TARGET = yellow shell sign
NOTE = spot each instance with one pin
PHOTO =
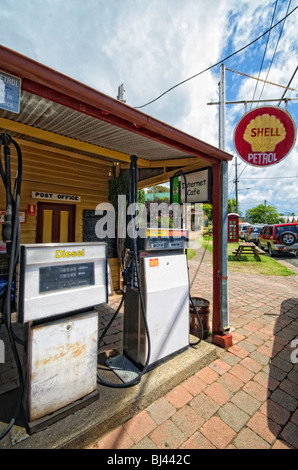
(264, 136)
(264, 132)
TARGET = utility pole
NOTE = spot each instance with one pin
(224, 309)
(222, 108)
(224, 193)
(236, 183)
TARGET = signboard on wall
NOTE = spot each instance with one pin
(10, 92)
(198, 187)
(22, 217)
(265, 136)
(46, 195)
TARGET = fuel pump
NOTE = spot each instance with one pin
(52, 290)
(131, 274)
(156, 299)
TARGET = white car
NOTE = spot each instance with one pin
(242, 229)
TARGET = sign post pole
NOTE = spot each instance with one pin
(224, 307)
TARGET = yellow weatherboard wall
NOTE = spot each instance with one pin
(47, 169)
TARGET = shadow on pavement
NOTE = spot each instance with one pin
(283, 375)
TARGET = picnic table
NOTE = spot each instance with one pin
(248, 248)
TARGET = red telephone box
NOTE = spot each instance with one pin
(233, 228)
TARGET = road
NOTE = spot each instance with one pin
(288, 257)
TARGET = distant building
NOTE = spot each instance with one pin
(289, 218)
(152, 196)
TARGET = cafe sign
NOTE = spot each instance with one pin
(198, 187)
(265, 136)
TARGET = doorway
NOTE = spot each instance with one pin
(55, 223)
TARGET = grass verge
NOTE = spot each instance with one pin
(249, 264)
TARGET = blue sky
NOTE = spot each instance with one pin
(150, 46)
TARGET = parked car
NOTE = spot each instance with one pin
(279, 238)
(252, 233)
(242, 228)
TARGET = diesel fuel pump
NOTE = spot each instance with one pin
(52, 290)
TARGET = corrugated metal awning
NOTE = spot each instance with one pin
(61, 112)
(44, 114)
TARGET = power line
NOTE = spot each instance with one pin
(286, 88)
(265, 49)
(217, 63)
(288, 85)
(268, 71)
(242, 171)
(271, 178)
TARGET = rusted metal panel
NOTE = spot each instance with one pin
(62, 363)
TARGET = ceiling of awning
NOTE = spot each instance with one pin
(44, 114)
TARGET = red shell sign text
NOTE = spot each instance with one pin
(264, 136)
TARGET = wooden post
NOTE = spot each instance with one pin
(219, 337)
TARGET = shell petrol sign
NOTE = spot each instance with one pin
(265, 136)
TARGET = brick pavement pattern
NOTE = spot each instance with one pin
(245, 399)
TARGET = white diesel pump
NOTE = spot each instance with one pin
(165, 288)
(57, 287)
(52, 289)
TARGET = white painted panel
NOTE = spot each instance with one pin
(41, 305)
(167, 304)
(62, 363)
(52, 253)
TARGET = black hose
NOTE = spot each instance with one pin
(11, 235)
(200, 321)
(133, 196)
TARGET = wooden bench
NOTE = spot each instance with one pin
(259, 250)
(248, 248)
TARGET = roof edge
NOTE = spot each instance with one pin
(24, 67)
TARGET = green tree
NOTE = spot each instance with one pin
(262, 214)
(141, 196)
(158, 189)
(158, 200)
(118, 186)
(207, 208)
(232, 206)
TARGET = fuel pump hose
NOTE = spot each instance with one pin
(133, 196)
(11, 236)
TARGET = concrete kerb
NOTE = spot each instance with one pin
(114, 406)
(121, 404)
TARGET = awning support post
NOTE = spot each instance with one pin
(220, 322)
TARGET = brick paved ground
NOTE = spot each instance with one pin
(247, 398)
